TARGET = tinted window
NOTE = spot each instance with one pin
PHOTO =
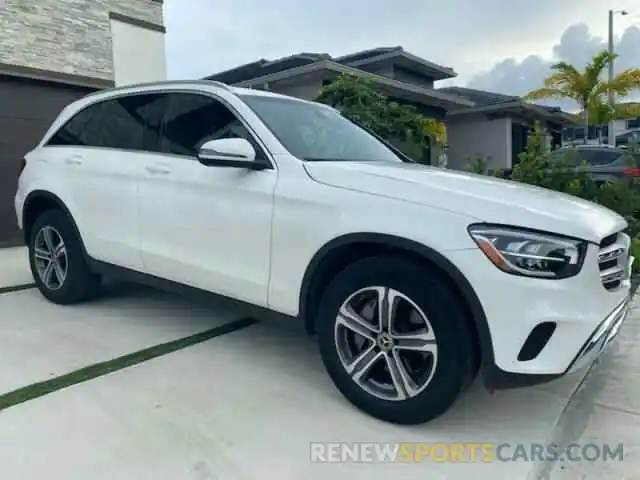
(151, 109)
(131, 123)
(315, 132)
(194, 119)
(575, 157)
(74, 132)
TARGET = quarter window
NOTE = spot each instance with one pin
(75, 131)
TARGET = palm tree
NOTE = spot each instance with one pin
(600, 113)
(588, 89)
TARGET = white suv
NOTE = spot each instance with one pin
(414, 278)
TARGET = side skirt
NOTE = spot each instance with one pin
(126, 275)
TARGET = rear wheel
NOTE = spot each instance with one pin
(395, 340)
(57, 261)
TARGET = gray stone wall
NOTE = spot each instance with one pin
(66, 36)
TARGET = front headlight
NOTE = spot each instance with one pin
(531, 254)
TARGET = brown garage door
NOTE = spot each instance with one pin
(27, 109)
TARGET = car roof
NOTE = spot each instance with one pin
(160, 86)
(178, 85)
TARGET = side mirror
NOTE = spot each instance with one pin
(229, 152)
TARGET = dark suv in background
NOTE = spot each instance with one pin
(605, 164)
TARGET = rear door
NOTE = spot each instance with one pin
(100, 154)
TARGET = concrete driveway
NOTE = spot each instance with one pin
(121, 388)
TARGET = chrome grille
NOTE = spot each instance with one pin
(613, 260)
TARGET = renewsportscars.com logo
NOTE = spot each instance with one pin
(412, 452)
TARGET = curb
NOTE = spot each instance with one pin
(566, 428)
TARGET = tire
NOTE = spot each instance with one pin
(74, 282)
(416, 289)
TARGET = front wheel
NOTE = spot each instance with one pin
(395, 340)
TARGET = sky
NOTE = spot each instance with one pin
(505, 46)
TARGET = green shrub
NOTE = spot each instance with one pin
(536, 167)
(478, 164)
(635, 251)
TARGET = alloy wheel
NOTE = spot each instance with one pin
(386, 343)
(50, 257)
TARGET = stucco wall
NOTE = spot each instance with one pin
(68, 36)
(489, 138)
(306, 87)
(138, 54)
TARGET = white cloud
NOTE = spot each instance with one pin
(577, 45)
(516, 37)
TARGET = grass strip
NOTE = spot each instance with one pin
(17, 288)
(90, 372)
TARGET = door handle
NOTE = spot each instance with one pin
(157, 169)
(74, 160)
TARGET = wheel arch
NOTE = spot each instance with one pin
(338, 253)
(39, 201)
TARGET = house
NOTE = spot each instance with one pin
(497, 127)
(477, 122)
(53, 52)
(403, 77)
(624, 128)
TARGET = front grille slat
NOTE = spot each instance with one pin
(611, 252)
(613, 260)
(606, 241)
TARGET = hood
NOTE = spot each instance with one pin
(483, 198)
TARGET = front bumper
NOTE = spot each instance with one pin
(584, 314)
(496, 379)
(601, 337)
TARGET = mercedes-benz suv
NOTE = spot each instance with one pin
(413, 278)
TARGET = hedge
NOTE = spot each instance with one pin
(536, 167)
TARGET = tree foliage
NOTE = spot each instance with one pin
(589, 89)
(600, 112)
(537, 167)
(362, 101)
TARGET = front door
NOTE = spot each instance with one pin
(206, 227)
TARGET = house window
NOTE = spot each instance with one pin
(633, 123)
(519, 135)
(568, 134)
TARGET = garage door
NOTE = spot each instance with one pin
(27, 109)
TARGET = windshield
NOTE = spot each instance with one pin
(313, 132)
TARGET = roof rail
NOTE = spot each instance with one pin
(160, 83)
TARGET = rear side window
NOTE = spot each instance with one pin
(133, 122)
